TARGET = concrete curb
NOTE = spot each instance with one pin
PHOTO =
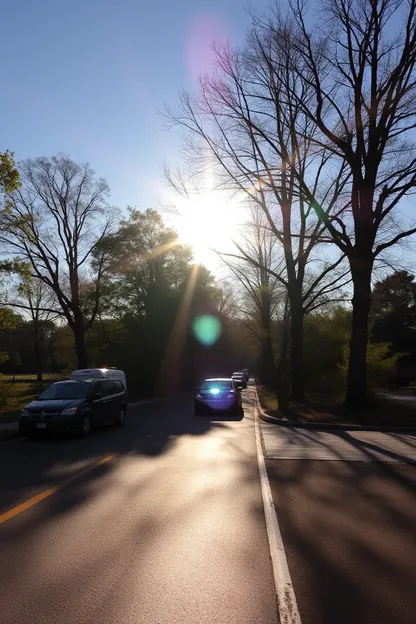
(283, 422)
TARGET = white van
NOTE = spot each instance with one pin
(100, 373)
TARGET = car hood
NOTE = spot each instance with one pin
(57, 404)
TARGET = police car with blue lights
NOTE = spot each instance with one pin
(219, 395)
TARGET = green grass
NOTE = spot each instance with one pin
(31, 377)
(267, 399)
(19, 395)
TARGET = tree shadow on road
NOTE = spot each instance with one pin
(140, 509)
(348, 529)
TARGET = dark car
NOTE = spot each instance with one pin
(218, 395)
(75, 406)
(240, 378)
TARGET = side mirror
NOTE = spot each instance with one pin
(96, 396)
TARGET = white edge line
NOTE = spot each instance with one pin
(286, 599)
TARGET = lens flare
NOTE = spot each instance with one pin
(207, 329)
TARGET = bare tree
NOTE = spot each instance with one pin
(242, 125)
(56, 220)
(261, 290)
(358, 65)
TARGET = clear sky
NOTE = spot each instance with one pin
(86, 77)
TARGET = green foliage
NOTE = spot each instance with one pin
(144, 264)
(9, 322)
(4, 393)
(381, 363)
(393, 315)
(9, 175)
(326, 336)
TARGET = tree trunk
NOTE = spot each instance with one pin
(80, 349)
(361, 269)
(38, 354)
(268, 373)
(297, 378)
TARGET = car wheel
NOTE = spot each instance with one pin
(121, 419)
(85, 427)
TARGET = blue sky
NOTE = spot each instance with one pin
(86, 77)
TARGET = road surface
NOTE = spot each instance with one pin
(162, 522)
(168, 528)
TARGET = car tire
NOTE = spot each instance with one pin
(121, 418)
(85, 426)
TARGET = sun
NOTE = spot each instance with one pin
(208, 223)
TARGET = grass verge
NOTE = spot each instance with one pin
(268, 401)
(328, 408)
(19, 395)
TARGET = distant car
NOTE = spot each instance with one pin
(218, 395)
(75, 406)
(240, 377)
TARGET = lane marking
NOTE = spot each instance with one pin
(15, 511)
(286, 599)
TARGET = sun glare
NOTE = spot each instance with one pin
(208, 222)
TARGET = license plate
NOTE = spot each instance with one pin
(41, 425)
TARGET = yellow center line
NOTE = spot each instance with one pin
(15, 511)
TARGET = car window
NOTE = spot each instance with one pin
(219, 385)
(66, 390)
(118, 386)
(107, 387)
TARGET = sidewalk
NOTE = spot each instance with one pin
(357, 446)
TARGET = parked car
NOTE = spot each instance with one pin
(240, 377)
(100, 373)
(75, 406)
(218, 395)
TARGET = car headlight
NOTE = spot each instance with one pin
(24, 413)
(69, 411)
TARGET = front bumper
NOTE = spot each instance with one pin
(59, 424)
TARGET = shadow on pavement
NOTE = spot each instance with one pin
(141, 524)
(150, 431)
(348, 529)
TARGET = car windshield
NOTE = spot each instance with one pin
(215, 387)
(66, 390)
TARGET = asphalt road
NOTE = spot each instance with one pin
(162, 522)
(158, 522)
